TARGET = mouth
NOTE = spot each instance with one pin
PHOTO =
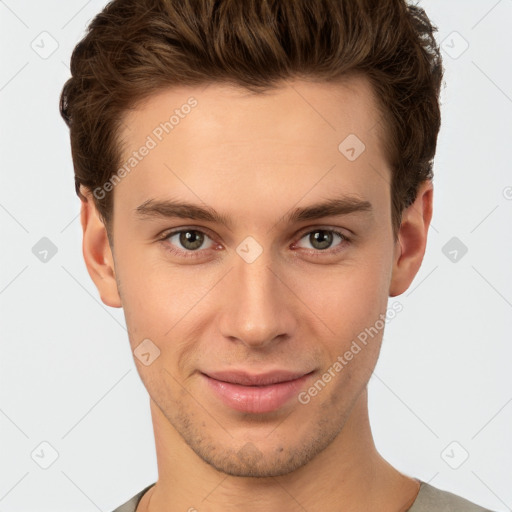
(256, 393)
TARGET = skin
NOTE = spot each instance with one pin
(254, 158)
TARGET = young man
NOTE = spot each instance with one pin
(255, 181)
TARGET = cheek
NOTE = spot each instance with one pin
(353, 307)
(160, 301)
(349, 298)
(352, 304)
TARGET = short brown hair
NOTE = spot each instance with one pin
(135, 48)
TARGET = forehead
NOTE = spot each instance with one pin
(223, 141)
(281, 111)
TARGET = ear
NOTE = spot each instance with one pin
(412, 240)
(97, 252)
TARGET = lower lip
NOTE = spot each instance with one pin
(256, 399)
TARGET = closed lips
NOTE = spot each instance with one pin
(262, 379)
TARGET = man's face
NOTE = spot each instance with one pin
(266, 292)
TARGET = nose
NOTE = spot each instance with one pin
(258, 308)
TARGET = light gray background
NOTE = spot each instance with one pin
(443, 385)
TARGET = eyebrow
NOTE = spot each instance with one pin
(184, 210)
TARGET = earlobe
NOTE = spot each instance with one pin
(97, 253)
(412, 240)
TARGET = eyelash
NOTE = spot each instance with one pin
(197, 253)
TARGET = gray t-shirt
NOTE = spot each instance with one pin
(429, 499)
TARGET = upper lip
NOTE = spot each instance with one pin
(255, 379)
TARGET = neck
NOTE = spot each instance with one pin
(348, 475)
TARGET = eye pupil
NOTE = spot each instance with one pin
(324, 241)
(195, 238)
